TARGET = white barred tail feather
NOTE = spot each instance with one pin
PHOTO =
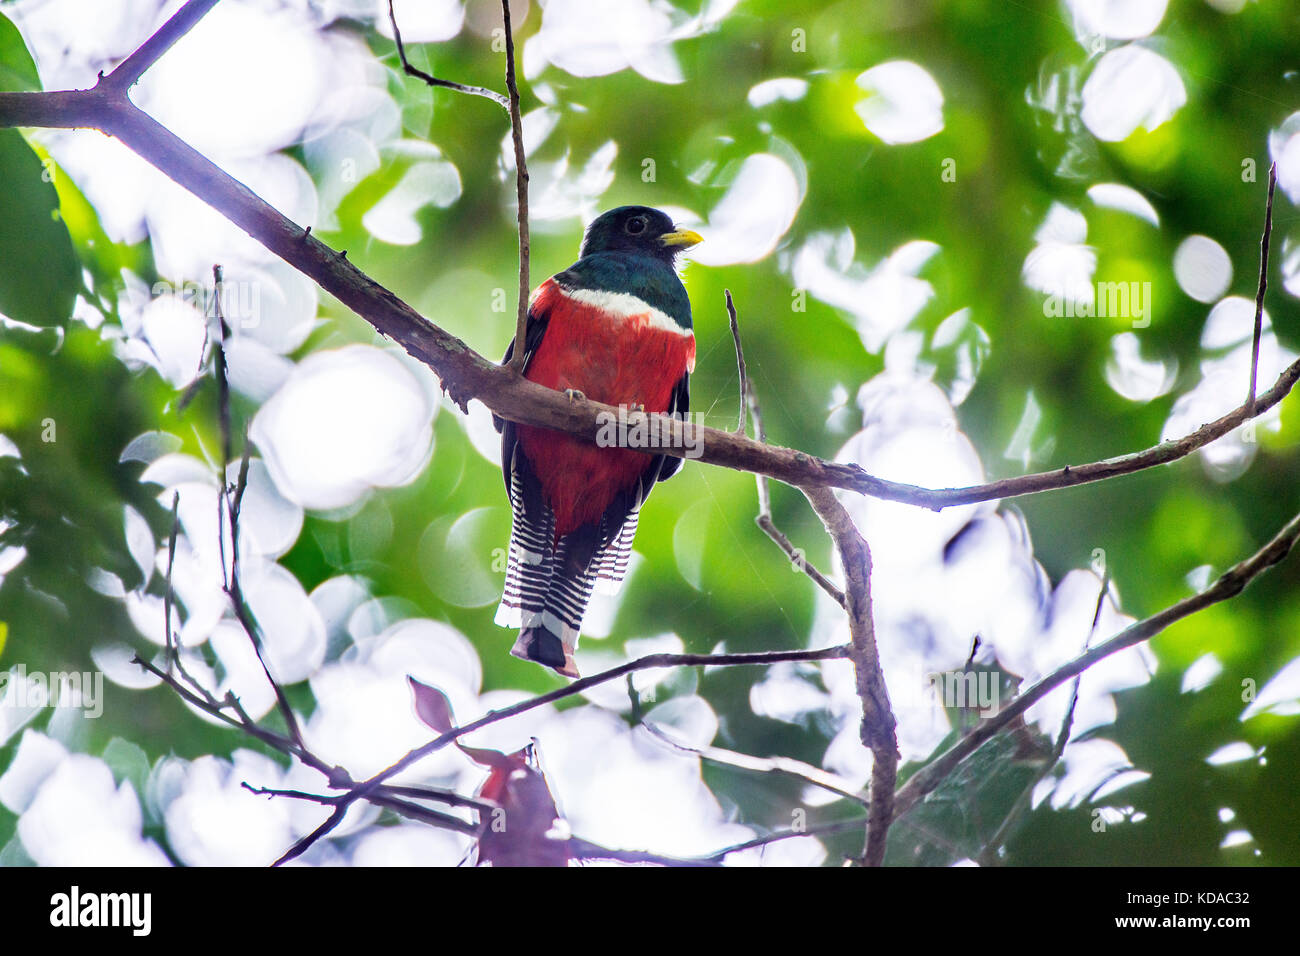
(549, 583)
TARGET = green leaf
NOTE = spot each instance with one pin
(128, 762)
(17, 70)
(39, 272)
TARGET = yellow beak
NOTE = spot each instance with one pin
(682, 237)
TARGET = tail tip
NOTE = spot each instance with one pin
(541, 646)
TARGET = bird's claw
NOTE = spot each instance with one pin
(573, 395)
(636, 407)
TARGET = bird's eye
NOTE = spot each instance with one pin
(636, 225)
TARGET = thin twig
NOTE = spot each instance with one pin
(521, 190)
(1263, 284)
(586, 850)
(172, 654)
(405, 807)
(749, 401)
(781, 766)
(230, 502)
(740, 362)
(432, 80)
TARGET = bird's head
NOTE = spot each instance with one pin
(639, 230)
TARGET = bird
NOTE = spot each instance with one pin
(614, 327)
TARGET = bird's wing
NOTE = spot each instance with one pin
(539, 314)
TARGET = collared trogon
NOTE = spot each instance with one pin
(615, 327)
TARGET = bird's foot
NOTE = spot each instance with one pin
(636, 407)
(574, 396)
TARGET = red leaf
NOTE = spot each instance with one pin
(520, 831)
(431, 706)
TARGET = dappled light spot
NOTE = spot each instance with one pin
(648, 683)
(561, 189)
(1284, 146)
(1280, 696)
(1202, 673)
(409, 844)
(77, 816)
(255, 103)
(772, 91)
(1125, 199)
(1232, 322)
(587, 39)
(1231, 753)
(430, 182)
(1225, 374)
(345, 421)
(1203, 268)
(455, 555)
(687, 720)
(882, 299)
(421, 21)
(212, 820)
(1130, 88)
(1236, 838)
(1132, 376)
(1089, 764)
(904, 105)
(961, 346)
(1062, 265)
(1121, 19)
(117, 663)
(364, 719)
(756, 211)
(620, 790)
(174, 338)
(293, 633)
(1291, 265)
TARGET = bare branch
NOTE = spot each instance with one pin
(878, 725)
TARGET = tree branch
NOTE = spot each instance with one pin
(126, 73)
(465, 374)
(878, 730)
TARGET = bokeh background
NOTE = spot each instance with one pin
(913, 204)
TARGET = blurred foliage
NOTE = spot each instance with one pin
(709, 574)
